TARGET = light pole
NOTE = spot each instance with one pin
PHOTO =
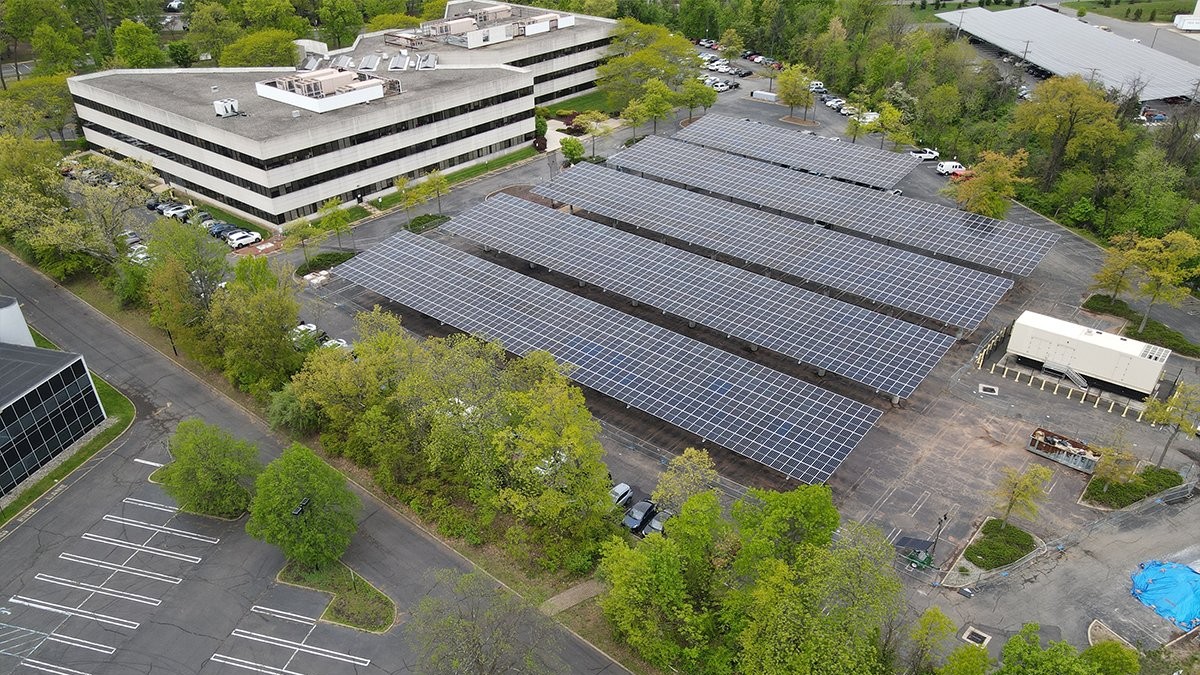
(937, 535)
(1155, 36)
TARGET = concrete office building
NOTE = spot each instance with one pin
(47, 401)
(275, 143)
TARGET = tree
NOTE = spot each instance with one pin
(1166, 263)
(271, 47)
(435, 183)
(572, 149)
(183, 54)
(1177, 413)
(990, 188)
(389, 21)
(1068, 119)
(640, 53)
(303, 233)
(770, 75)
(1114, 466)
(1111, 658)
(468, 624)
(211, 29)
(1113, 277)
(731, 44)
(891, 126)
(57, 50)
(136, 46)
(1150, 192)
(1023, 654)
(340, 20)
(1021, 491)
(636, 114)
(695, 94)
(39, 104)
(605, 8)
(303, 506)
(793, 88)
(594, 124)
(687, 475)
(966, 660)
(263, 15)
(779, 524)
(658, 100)
(211, 472)
(333, 218)
(927, 639)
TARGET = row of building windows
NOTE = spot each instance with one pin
(561, 93)
(558, 53)
(316, 178)
(567, 71)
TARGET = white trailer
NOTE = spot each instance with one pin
(1089, 352)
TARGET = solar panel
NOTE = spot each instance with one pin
(796, 428)
(879, 351)
(897, 221)
(787, 148)
(935, 289)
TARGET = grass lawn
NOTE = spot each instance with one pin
(593, 100)
(999, 545)
(355, 602)
(1164, 10)
(118, 408)
(926, 15)
(1148, 481)
(1156, 333)
(587, 619)
(491, 165)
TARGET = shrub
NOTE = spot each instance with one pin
(426, 221)
(1156, 333)
(999, 545)
(1148, 481)
(324, 261)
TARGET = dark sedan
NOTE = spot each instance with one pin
(638, 515)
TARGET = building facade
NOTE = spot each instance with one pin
(275, 143)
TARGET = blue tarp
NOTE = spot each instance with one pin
(1171, 589)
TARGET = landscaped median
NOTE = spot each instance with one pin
(355, 603)
(994, 545)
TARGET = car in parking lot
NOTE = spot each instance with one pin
(638, 515)
(166, 206)
(867, 117)
(720, 86)
(847, 110)
(179, 212)
(924, 154)
(242, 239)
(138, 254)
(338, 343)
(835, 103)
(219, 227)
(131, 237)
(657, 522)
(815, 85)
(307, 334)
(620, 493)
(947, 168)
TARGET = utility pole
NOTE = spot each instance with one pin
(1092, 77)
(937, 535)
(961, 14)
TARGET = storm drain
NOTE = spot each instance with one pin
(989, 390)
(975, 637)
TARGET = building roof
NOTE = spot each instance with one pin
(24, 368)
(1092, 336)
(1065, 46)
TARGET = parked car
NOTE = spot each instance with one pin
(924, 154)
(336, 342)
(720, 86)
(220, 227)
(131, 237)
(242, 239)
(947, 168)
(962, 175)
(174, 6)
(620, 493)
(201, 217)
(179, 212)
(820, 90)
(815, 85)
(305, 333)
(657, 522)
(638, 515)
(732, 84)
(867, 117)
(835, 103)
(152, 203)
(138, 254)
(847, 110)
(164, 206)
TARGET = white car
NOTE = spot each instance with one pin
(621, 493)
(720, 87)
(241, 239)
(835, 103)
(848, 110)
(867, 117)
(924, 154)
(336, 342)
(815, 85)
(179, 212)
(947, 168)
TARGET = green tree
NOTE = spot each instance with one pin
(57, 50)
(572, 149)
(340, 20)
(659, 101)
(927, 641)
(202, 258)
(436, 184)
(270, 47)
(1067, 119)
(891, 126)
(686, 476)
(136, 46)
(640, 53)
(1111, 658)
(303, 233)
(1150, 192)
(182, 53)
(593, 123)
(211, 471)
(605, 8)
(636, 114)
(966, 660)
(731, 44)
(778, 524)
(211, 28)
(303, 506)
(40, 104)
(1023, 654)
(793, 88)
(389, 21)
(469, 624)
(333, 218)
(263, 15)
(97, 217)
(1167, 264)
(1178, 413)
(1115, 275)
(1021, 491)
(991, 187)
(695, 94)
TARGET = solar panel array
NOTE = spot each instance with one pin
(879, 351)
(794, 150)
(936, 289)
(796, 428)
(899, 221)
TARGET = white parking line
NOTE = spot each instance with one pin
(81, 643)
(51, 668)
(120, 543)
(299, 646)
(161, 528)
(251, 665)
(71, 611)
(150, 505)
(280, 614)
(114, 567)
(147, 462)
(80, 586)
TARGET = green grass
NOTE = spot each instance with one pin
(118, 408)
(355, 602)
(324, 261)
(356, 214)
(999, 545)
(427, 221)
(1148, 481)
(593, 100)
(1165, 10)
(926, 15)
(491, 165)
(1156, 333)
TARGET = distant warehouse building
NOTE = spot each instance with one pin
(47, 401)
(276, 143)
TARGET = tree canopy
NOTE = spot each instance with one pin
(211, 472)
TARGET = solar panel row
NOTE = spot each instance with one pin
(924, 286)
(848, 161)
(881, 352)
(930, 228)
(801, 430)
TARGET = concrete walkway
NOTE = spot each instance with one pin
(572, 596)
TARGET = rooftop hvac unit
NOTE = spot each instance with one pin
(427, 62)
(226, 107)
(398, 62)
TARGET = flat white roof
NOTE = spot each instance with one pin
(1109, 341)
(1064, 45)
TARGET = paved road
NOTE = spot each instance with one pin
(192, 594)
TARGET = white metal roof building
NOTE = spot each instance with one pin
(1065, 46)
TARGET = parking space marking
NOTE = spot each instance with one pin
(161, 528)
(147, 462)
(150, 505)
(114, 567)
(280, 614)
(72, 611)
(81, 643)
(13, 641)
(251, 665)
(300, 646)
(51, 668)
(140, 548)
(80, 586)
(918, 504)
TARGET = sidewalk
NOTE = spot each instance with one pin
(572, 596)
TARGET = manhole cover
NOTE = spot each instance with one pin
(976, 637)
(989, 390)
